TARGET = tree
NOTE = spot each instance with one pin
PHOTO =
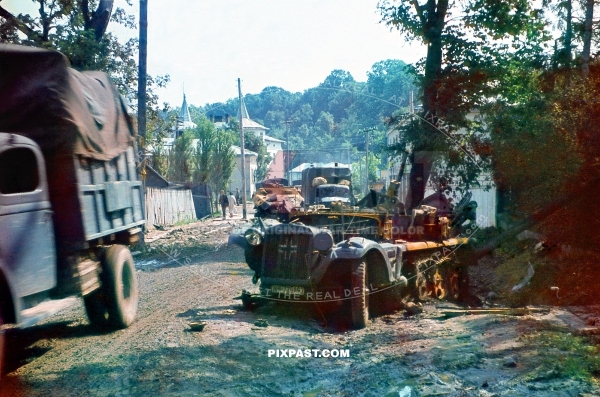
(587, 37)
(214, 157)
(467, 51)
(95, 22)
(256, 144)
(181, 159)
(71, 27)
(221, 160)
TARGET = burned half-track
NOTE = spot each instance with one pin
(359, 262)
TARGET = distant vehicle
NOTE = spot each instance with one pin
(328, 194)
(71, 199)
(324, 185)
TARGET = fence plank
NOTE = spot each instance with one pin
(168, 207)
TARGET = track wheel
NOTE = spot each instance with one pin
(453, 284)
(359, 303)
(422, 291)
(438, 285)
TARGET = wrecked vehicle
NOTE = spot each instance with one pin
(356, 262)
(71, 199)
(275, 200)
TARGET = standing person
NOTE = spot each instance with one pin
(232, 204)
(238, 196)
(224, 202)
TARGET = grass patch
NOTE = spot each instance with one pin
(564, 355)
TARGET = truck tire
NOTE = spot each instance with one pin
(359, 304)
(120, 286)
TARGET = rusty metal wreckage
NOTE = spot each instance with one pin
(357, 261)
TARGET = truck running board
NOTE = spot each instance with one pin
(44, 310)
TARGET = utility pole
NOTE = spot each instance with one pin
(367, 130)
(142, 80)
(367, 165)
(243, 154)
(287, 147)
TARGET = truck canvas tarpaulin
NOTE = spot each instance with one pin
(57, 106)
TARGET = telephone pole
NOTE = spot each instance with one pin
(287, 147)
(367, 164)
(142, 80)
(367, 130)
(242, 152)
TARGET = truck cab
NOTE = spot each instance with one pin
(328, 193)
(27, 249)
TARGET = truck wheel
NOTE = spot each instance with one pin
(359, 304)
(120, 286)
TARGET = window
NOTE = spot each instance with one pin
(18, 171)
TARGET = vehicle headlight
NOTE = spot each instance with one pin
(253, 237)
(323, 241)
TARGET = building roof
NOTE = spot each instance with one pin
(247, 123)
(184, 119)
(238, 151)
(270, 138)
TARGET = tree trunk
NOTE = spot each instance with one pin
(98, 20)
(587, 37)
(569, 34)
(433, 27)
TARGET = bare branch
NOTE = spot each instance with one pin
(30, 33)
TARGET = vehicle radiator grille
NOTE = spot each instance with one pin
(287, 256)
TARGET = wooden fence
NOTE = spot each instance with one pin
(168, 206)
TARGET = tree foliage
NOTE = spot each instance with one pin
(79, 29)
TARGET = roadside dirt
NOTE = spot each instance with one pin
(188, 274)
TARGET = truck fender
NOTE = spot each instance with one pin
(356, 249)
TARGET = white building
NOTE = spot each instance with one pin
(273, 145)
(251, 166)
(485, 195)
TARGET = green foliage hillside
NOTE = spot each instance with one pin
(327, 122)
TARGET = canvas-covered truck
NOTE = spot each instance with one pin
(326, 185)
(71, 199)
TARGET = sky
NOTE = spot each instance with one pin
(206, 45)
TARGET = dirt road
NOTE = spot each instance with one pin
(191, 275)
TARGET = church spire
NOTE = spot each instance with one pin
(244, 111)
(184, 114)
